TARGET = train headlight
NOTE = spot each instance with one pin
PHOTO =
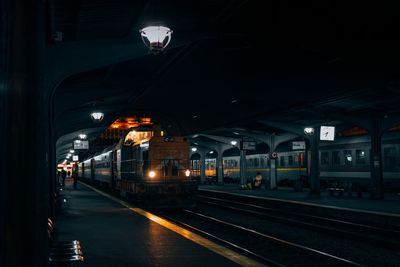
(187, 173)
(152, 174)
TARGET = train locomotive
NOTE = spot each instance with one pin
(144, 167)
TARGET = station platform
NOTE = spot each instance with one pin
(114, 233)
(390, 206)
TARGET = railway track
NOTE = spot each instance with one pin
(271, 250)
(386, 237)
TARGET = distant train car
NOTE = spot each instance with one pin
(145, 167)
(346, 160)
(291, 166)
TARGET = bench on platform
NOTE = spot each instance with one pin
(62, 253)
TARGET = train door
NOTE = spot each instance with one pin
(82, 174)
(113, 162)
(92, 169)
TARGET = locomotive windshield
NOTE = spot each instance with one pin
(137, 138)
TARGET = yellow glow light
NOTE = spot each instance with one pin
(187, 173)
(152, 174)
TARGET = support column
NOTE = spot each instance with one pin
(202, 167)
(273, 176)
(272, 170)
(314, 168)
(24, 142)
(220, 167)
(243, 166)
(377, 185)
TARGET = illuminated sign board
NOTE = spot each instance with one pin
(298, 145)
(327, 133)
(81, 144)
(248, 145)
(75, 158)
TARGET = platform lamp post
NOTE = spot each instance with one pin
(313, 135)
(156, 38)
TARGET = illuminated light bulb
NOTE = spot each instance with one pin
(156, 38)
(309, 130)
(97, 116)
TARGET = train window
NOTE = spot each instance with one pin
(296, 159)
(324, 158)
(389, 158)
(335, 158)
(301, 155)
(256, 162)
(261, 162)
(348, 157)
(360, 156)
(290, 160)
(282, 160)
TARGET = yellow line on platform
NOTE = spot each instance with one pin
(219, 249)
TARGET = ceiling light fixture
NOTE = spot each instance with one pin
(97, 116)
(309, 130)
(82, 136)
(156, 38)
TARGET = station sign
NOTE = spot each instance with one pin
(298, 145)
(75, 158)
(327, 133)
(81, 144)
(248, 145)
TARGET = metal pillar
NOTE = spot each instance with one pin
(377, 190)
(272, 170)
(220, 169)
(314, 168)
(23, 143)
(273, 176)
(203, 167)
(242, 166)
